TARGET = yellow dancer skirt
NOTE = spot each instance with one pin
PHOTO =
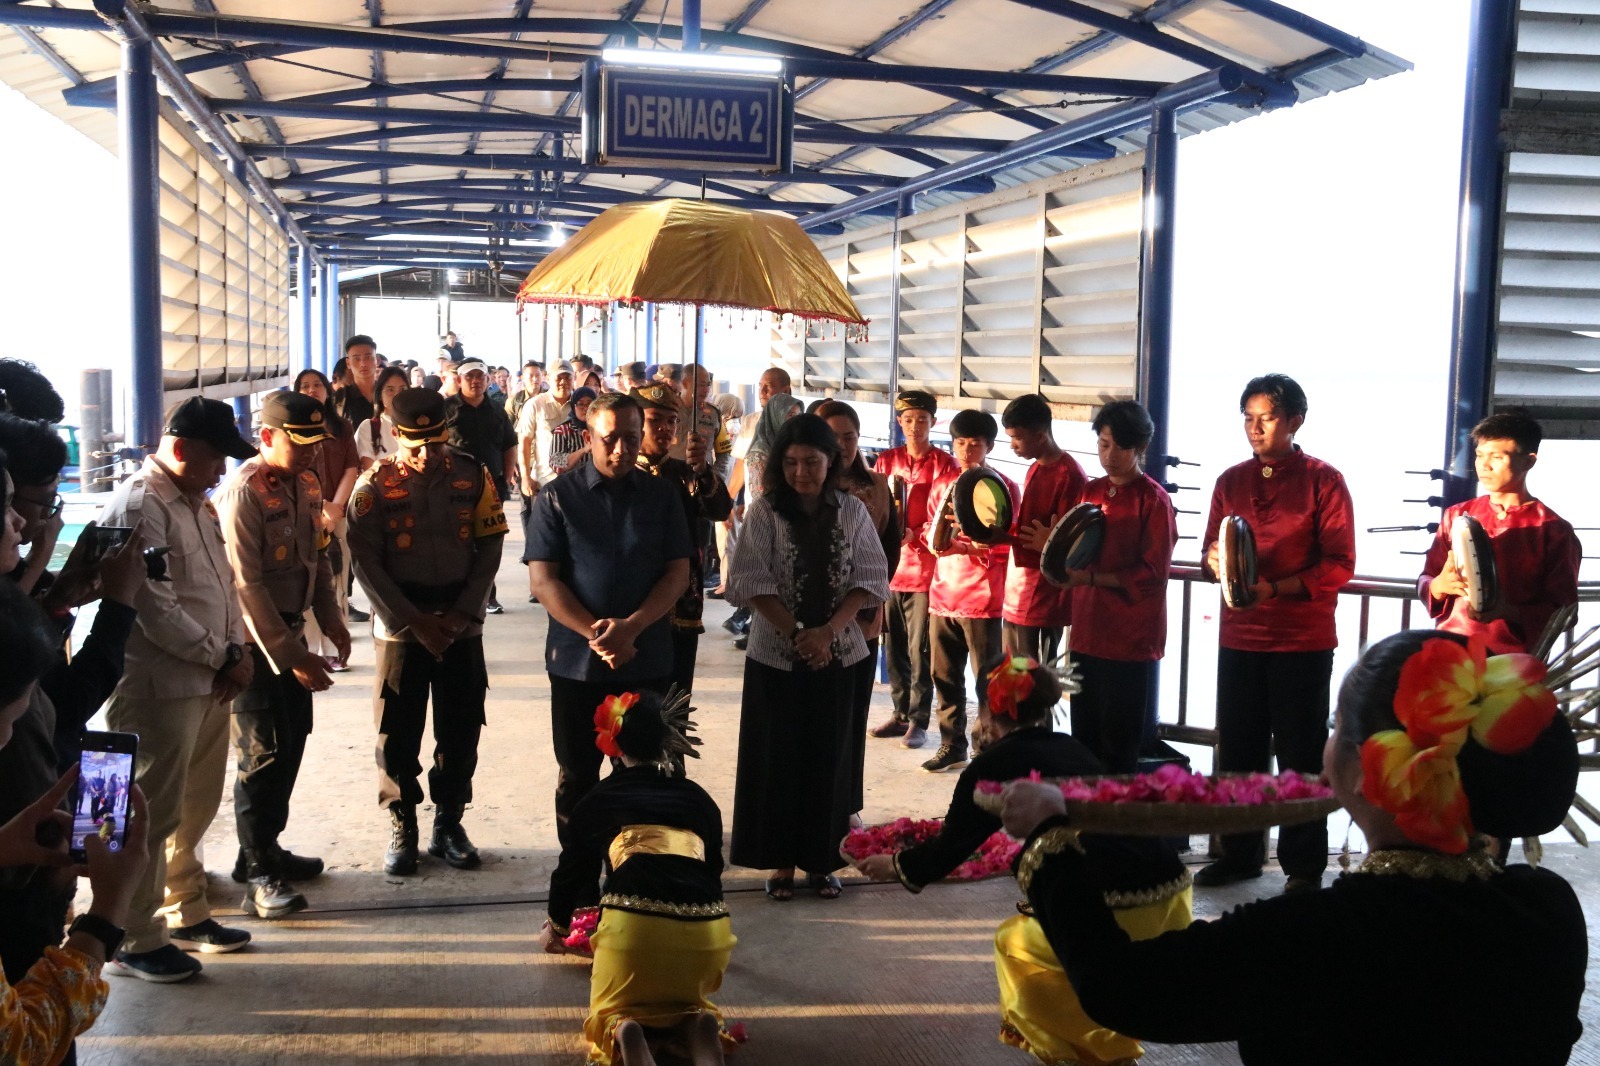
(657, 971)
(1039, 1011)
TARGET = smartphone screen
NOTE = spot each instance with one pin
(107, 539)
(105, 777)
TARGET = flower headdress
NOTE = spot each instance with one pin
(1010, 683)
(1448, 693)
(608, 721)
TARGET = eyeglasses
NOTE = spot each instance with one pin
(46, 510)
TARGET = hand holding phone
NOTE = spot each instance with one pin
(38, 835)
(105, 786)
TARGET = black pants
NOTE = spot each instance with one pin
(1115, 713)
(572, 707)
(955, 643)
(407, 672)
(1275, 702)
(1042, 644)
(910, 662)
(685, 646)
(864, 679)
(271, 721)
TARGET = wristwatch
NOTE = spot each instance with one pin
(93, 925)
(798, 626)
(232, 657)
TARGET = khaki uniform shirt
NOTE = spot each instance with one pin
(426, 543)
(272, 524)
(185, 624)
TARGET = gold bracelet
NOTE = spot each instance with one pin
(1052, 841)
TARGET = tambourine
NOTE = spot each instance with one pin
(1475, 562)
(982, 504)
(1236, 563)
(942, 526)
(1074, 543)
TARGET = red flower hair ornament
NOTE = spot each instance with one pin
(608, 721)
(1448, 693)
(1010, 683)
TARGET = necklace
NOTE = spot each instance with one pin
(1475, 865)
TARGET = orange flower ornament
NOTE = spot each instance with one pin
(1448, 693)
(1010, 683)
(608, 721)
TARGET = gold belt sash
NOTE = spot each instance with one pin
(655, 840)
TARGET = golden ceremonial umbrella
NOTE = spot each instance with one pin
(693, 252)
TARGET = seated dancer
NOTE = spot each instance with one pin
(664, 937)
(1147, 887)
(1536, 554)
(1430, 953)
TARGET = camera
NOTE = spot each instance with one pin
(109, 538)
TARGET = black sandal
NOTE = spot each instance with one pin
(825, 885)
(780, 889)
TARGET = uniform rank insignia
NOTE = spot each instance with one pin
(461, 485)
(361, 504)
(282, 553)
(396, 494)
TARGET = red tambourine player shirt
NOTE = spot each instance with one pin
(970, 586)
(1536, 557)
(915, 572)
(1128, 624)
(1300, 511)
(1048, 492)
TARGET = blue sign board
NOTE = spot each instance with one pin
(688, 119)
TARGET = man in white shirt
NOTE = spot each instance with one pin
(185, 662)
(540, 416)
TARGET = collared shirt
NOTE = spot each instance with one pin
(353, 405)
(271, 524)
(185, 624)
(1049, 490)
(375, 439)
(1536, 557)
(540, 416)
(971, 585)
(915, 573)
(1301, 515)
(485, 433)
(612, 539)
(1128, 624)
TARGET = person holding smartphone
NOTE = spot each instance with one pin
(271, 512)
(186, 661)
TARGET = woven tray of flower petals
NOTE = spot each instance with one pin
(992, 859)
(1173, 801)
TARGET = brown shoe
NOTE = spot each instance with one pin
(894, 727)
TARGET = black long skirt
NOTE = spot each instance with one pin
(793, 796)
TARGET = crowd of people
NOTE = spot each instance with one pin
(639, 498)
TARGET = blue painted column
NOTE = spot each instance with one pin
(318, 334)
(303, 309)
(138, 119)
(1490, 60)
(330, 314)
(649, 312)
(691, 25)
(1156, 247)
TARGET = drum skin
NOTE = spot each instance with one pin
(942, 528)
(1236, 562)
(982, 505)
(1475, 562)
(1074, 543)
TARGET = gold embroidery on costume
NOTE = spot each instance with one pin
(1122, 901)
(719, 909)
(1475, 865)
(1050, 842)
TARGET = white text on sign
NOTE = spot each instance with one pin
(690, 118)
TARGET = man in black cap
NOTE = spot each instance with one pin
(704, 498)
(482, 430)
(271, 509)
(915, 466)
(426, 529)
(184, 663)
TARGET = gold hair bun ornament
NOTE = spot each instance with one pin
(675, 710)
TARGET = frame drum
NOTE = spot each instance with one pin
(1475, 562)
(983, 505)
(1074, 543)
(1236, 562)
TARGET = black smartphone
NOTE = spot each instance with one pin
(107, 539)
(105, 778)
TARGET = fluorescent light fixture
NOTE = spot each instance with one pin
(659, 57)
(1594, 334)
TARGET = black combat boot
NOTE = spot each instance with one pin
(450, 841)
(401, 858)
(268, 895)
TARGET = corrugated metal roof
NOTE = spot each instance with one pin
(327, 94)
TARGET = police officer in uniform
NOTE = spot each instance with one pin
(704, 498)
(271, 509)
(426, 529)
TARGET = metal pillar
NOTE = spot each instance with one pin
(303, 309)
(649, 312)
(691, 25)
(138, 117)
(330, 314)
(319, 336)
(1491, 56)
(1156, 245)
(897, 437)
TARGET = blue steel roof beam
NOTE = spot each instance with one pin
(519, 10)
(384, 133)
(42, 49)
(323, 231)
(443, 86)
(247, 82)
(520, 163)
(380, 74)
(316, 213)
(422, 193)
(463, 120)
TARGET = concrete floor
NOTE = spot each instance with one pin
(442, 967)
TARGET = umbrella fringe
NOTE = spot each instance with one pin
(856, 330)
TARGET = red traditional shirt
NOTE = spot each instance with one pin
(915, 573)
(1049, 491)
(970, 586)
(1300, 511)
(1128, 624)
(1536, 557)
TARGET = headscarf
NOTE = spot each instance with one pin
(584, 393)
(729, 406)
(779, 410)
